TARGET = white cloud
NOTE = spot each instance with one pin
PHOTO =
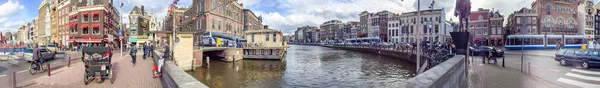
(12, 26)
(2, 20)
(10, 8)
(296, 13)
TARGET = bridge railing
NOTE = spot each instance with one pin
(175, 77)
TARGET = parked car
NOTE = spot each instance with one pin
(592, 59)
(568, 56)
(51, 47)
(484, 50)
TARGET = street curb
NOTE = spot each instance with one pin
(529, 54)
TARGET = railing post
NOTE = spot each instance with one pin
(49, 70)
(14, 79)
(502, 61)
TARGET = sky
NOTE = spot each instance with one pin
(286, 15)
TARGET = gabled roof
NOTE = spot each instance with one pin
(136, 10)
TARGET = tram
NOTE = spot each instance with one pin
(531, 42)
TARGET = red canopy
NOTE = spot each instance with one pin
(73, 25)
(84, 26)
(95, 13)
(95, 25)
(84, 13)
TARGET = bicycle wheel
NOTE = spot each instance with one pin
(32, 69)
(43, 67)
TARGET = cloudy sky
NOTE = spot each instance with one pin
(278, 14)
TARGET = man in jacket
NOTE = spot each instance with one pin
(37, 56)
(133, 51)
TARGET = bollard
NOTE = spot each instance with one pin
(529, 67)
(14, 81)
(48, 69)
(502, 61)
(207, 62)
(193, 62)
(69, 63)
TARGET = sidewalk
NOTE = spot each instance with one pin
(126, 76)
(495, 76)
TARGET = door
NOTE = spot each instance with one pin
(594, 58)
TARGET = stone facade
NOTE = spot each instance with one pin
(479, 24)
(515, 22)
(329, 31)
(91, 22)
(558, 17)
(435, 32)
(251, 21)
(496, 29)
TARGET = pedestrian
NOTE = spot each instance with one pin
(491, 56)
(133, 52)
(557, 46)
(145, 48)
(166, 53)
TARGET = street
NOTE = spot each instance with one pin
(22, 70)
(544, 67)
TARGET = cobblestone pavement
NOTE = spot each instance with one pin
(495, 76)
(126, 76)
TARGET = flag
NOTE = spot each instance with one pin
(203, 17)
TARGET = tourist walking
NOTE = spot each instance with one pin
(132, 52)
(145, 48)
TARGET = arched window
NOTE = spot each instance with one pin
(561, 23)
(571, 23)
(548, 9)
(548, 22)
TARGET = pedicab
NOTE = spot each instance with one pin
(97, 64)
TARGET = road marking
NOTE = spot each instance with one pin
(585, 71)
(3, 75)
(583, 76)
(22, 71)
(578, 83)
(554, 70)
(535, 66)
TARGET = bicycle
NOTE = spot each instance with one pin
(33, 68)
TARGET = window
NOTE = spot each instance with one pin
(219, 27)
(85, 30)
(548, 22)
(213, 4)
(267, 37)
(96, 18)
(436, 29)
(213, 23)
(548, 9)
(74, 31)
(533, 29)
(274, 37)
(252, 38)
(96, 30)
(85, 18)
(561, 23)
(571, 23)
(518, 20)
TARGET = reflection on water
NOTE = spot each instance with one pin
(309, 66)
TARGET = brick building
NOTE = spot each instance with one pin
(558, 17)
(91, 22)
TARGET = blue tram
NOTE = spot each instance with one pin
(529, 42)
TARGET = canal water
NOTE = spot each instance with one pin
(309, 66)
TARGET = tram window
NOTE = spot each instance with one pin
(539, 41)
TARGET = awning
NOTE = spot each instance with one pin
(73, 16)
(95, 25)
(73, 25)
(84, 26)
(84, 13)
(95, 13)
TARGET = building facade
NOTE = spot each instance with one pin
(479, 25)
(43, 23)
(495, 37)
(394, 29)
(558, 17)
(139, 25)
(61, 33)
(349, 30)
(225, 16)
(523, 22)
(364, 24)
(597, 22)
(92, 22)
(329, 31)
(432, 26)
(588, 5)
(251, 21)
